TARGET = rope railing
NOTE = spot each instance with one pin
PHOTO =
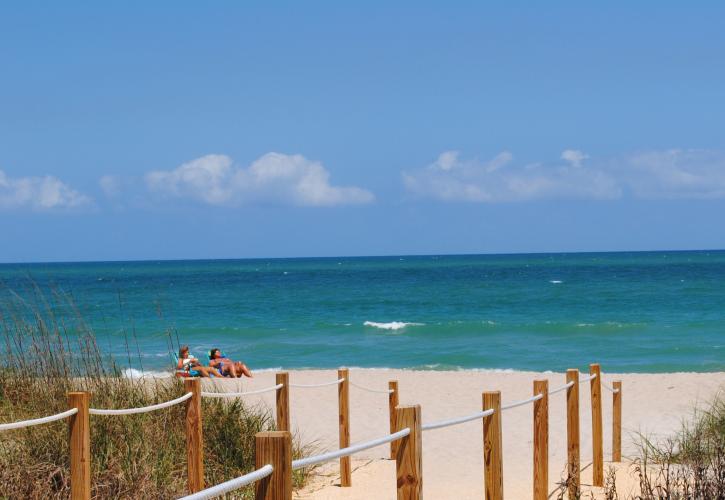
(38, 421)
(609, 388)
(458, 420)
(240, 394)
(275, 448)
(562, 388)
(324, 384)
(143, 409)
(231, 485)
(350, 450)
(522, 402)
(379, 391)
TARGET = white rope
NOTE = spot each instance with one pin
(562, 388)
(38, 421)
(332, 455)
(231, 485)
(143, 409)
(458, 420)
(522, 402)
(587, 379)
(239, 394)
(610, 388)
(308, 386)
(387, 391)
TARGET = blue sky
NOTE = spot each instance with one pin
(182, 130)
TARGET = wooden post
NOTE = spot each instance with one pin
(80, 446)
(493, 447)
(617, 422)
(393, 401)
(282, 401)
(274, 448)
(343, 400)
(409, 458)
(595, 386)
(572, 433)
(194, 437)
(541, 440)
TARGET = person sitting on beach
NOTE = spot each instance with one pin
(227, 366)
(189, 366)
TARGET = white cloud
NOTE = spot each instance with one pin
(274, 177)
(39, 193)
(499, 181)
(574, 156)
(672, 174)
(677, 173)
(110, 185)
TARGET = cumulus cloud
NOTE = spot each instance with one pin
(110, 185)
(497, 180)
(671, 174)
(274, 177)
(39, 193)
(574, 157)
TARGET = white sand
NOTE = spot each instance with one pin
(654, 404)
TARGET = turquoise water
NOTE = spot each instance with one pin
(633, 312)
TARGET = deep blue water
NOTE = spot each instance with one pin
(635, 312)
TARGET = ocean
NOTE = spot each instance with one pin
(631, 312)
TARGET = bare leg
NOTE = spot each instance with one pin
(242, 368)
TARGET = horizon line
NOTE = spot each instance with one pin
(380, 256)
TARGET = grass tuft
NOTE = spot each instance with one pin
(48, 351)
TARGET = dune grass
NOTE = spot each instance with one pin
(45, 356)
(690, 464)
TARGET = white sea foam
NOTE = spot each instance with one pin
(393, 325)
(556, 282)
(134, 373)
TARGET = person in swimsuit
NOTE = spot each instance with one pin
(227, 366)
(189, 364)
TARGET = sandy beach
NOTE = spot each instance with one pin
(653, 404)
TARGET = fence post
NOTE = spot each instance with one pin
(617, 422)
(194, 437)
(393, 401)
(493, 447)
(541, 440)
(282, 401)
(572, 433)
(595, 386)
(274, 448)
(343, 400)
(409, 458)
(80, 446)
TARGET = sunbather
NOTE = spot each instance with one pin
(227, 366)
(189, 366)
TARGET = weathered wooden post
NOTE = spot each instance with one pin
(274, 448)
(541, 440)
(595, 386)
(572, 433)
(80, 446)
(343, 399)
(393, 401)
(194, 436)
(282, 401)
(493, 447)
(617, 422)
(409, 458)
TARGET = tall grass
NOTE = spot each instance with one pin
(50, 350)
(690, 464)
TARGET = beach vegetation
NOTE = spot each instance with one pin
(48, 353)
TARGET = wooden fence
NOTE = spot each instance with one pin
(273, 459)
